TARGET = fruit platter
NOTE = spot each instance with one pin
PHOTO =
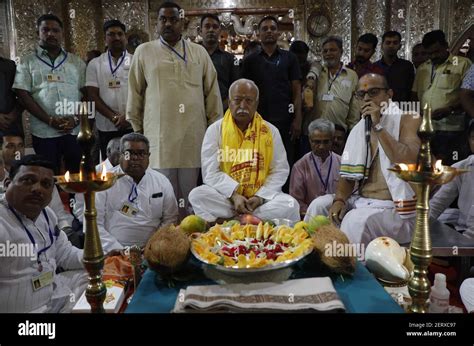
(239, 249)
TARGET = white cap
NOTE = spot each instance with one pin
(466, 291)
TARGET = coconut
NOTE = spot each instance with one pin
(167, 250)
(331, 237)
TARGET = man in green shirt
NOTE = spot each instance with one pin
(48, 83)
(438, 84)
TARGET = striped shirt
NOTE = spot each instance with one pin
(17, 272)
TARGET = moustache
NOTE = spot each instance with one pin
(242, 111)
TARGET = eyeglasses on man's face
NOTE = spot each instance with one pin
(372, 92)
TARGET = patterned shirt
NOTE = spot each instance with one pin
(468, 81)
(34, 75)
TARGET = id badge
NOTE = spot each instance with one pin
(328, 97)
(42, 280)
(128, 209)
(114, 84)
(53, 78)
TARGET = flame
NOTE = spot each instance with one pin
(103, 175)
(67, 177)
(403, 167)
(80, 175)
(439, 166)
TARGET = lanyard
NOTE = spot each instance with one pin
(325, 184)
(52, 65)
(132, 197)
(337, 75)
(433, 73)
(183, 57)
(32, 239)
(112, 71)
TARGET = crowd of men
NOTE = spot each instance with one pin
(266, 135)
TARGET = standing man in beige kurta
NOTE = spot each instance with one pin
(173, 95)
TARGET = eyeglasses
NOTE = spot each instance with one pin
(140, 154)
(172, 20)
(372, 92)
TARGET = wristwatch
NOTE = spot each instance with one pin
(378, 127)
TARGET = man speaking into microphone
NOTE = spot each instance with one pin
(385, 205)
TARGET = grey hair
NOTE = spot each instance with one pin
(243, 80)
(322, 125)
(134, 137)
(113, 145)
(335, 39)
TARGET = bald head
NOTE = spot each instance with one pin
(374, 87)
(374, 78)
(113, 151)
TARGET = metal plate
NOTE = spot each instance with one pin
(236, 271)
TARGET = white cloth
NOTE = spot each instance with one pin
(211, 208)
(209, 204)
(462, 187)
(16, 273)
(466, 291)
(366, 219)
(311, 294)
(106, 163)
(78, 206)
(355, 155)
(183, 181)
(155, 202)
(65, 218)
(98, 74)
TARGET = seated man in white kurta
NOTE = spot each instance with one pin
(244, 164)
(33, 247)
(385, 205)
(139, 203)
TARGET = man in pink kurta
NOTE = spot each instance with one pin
(317, 172)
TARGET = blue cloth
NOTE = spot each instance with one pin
(361, 293)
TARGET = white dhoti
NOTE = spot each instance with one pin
(183, 181)
(366, 219)
(209, 204)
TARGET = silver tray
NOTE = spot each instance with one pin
(236, 271)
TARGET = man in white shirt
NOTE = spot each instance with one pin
(244, 164)
(33, 247)
(139, 203)
(107, 84)
(462, 187)
(13, 148)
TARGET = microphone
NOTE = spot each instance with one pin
(368, 125)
